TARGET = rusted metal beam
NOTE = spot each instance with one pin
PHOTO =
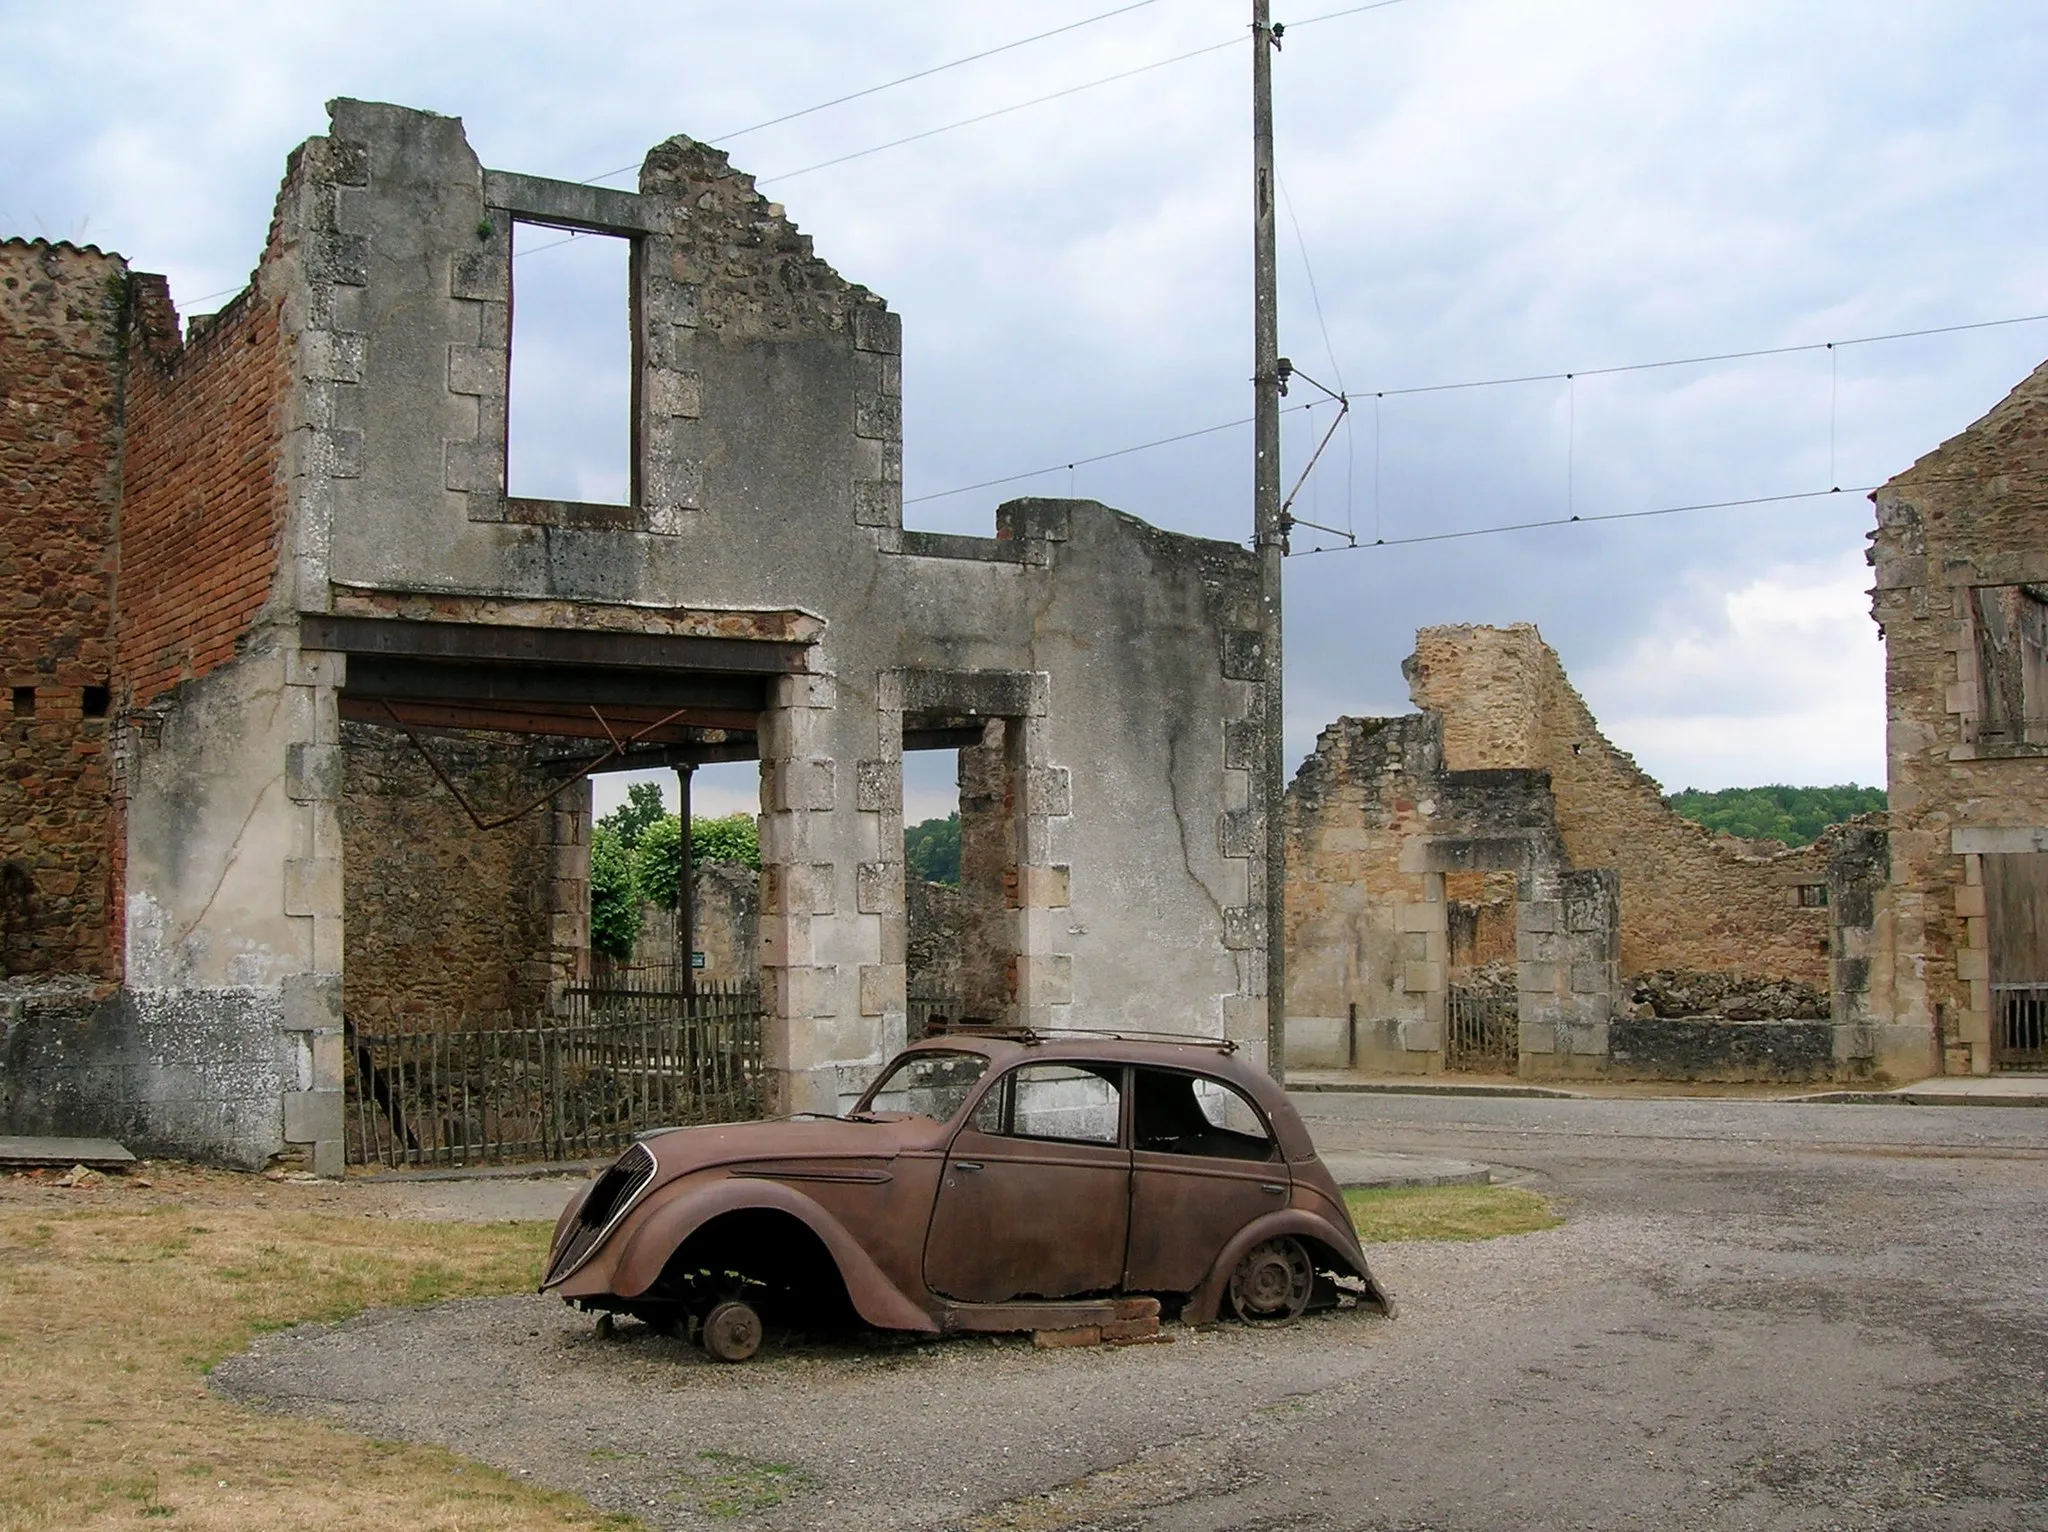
(528, 685)
(496, 644)
(560, 719)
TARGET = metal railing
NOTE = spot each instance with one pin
(1482, 1031)
(922, 1007)
(575, 1085)
(2020, 1020)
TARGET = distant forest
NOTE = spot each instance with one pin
(1794, 815)
(933, 849)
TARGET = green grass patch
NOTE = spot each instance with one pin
(1384, 1215)
(730, 1486)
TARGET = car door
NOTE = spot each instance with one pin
(1204, 1163)
(1035, 1198)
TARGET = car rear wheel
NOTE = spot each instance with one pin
(1273, 1283)
(731, 1331)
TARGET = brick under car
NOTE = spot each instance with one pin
(986, 1181)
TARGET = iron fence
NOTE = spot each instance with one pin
(923, 1007)
(1482, 1030)
(616, 1061)
(2022, 1020)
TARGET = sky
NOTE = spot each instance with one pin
(1474, 190)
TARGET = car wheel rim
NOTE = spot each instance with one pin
(732, 1332)
(1272, 1282)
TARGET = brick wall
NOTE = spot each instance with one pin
(204, 494)
(441, 919)
(1689, 899)
(60, 444)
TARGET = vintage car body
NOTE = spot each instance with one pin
(1071, 1175)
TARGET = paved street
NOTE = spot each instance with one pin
(1760, 1315)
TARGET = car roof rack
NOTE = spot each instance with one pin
(939, 1026)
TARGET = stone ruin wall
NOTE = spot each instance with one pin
(1360, 931)
(1690, 900)
(441, 920)
(1974, 512)
(60, 436)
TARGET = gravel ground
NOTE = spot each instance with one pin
(1758, 1316)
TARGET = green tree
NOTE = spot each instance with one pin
(654, 862)
(932, 849)
(727, 838)
(1793, 815)
(614, 910)
(629, 821)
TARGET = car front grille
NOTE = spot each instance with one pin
(615, 1192)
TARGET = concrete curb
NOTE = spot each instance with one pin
(1912, 1097)
(480, 1173)
(1401, 1088)
(1363, 1170)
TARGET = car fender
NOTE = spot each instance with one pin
(660, 1228)
(1207, 1300)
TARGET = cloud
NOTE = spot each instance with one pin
(1483, 188)
(1781, 679)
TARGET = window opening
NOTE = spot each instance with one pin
(569, 426)
(1057, 1101)
(1193, 1114)
(97, 700)
(2010, 623)
(1813, 896)
(24, 701)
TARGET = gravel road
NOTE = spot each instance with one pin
(1758, 1316)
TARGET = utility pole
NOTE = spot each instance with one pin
(1269, 528)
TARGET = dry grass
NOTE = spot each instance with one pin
(1448, 1212)
(114, 1303)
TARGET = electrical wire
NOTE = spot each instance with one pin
(1540, 377)
(1103, 457)
(921, 74)
(1002, 111)
(1566, 521)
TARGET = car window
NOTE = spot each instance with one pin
(933, 1085)
(1062, 1101)
(1192, 1114)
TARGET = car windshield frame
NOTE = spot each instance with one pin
(866, 1105)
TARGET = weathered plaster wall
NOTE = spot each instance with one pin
(1689, 899)
(60, 441)
(1971, 514)
(441, 919)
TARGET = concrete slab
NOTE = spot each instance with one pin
(97, 1153)
(1366, 1169)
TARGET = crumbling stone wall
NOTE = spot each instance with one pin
(1689, 899)
(60, 438)
(1956, 534)
(442, 920)
(726, 927)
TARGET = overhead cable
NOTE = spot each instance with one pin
(1539, 377)
(920, 74)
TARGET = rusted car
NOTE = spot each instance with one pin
(986, 1181)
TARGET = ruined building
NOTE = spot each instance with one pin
(1959, 967)
(1494, 856)
(268, 598)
